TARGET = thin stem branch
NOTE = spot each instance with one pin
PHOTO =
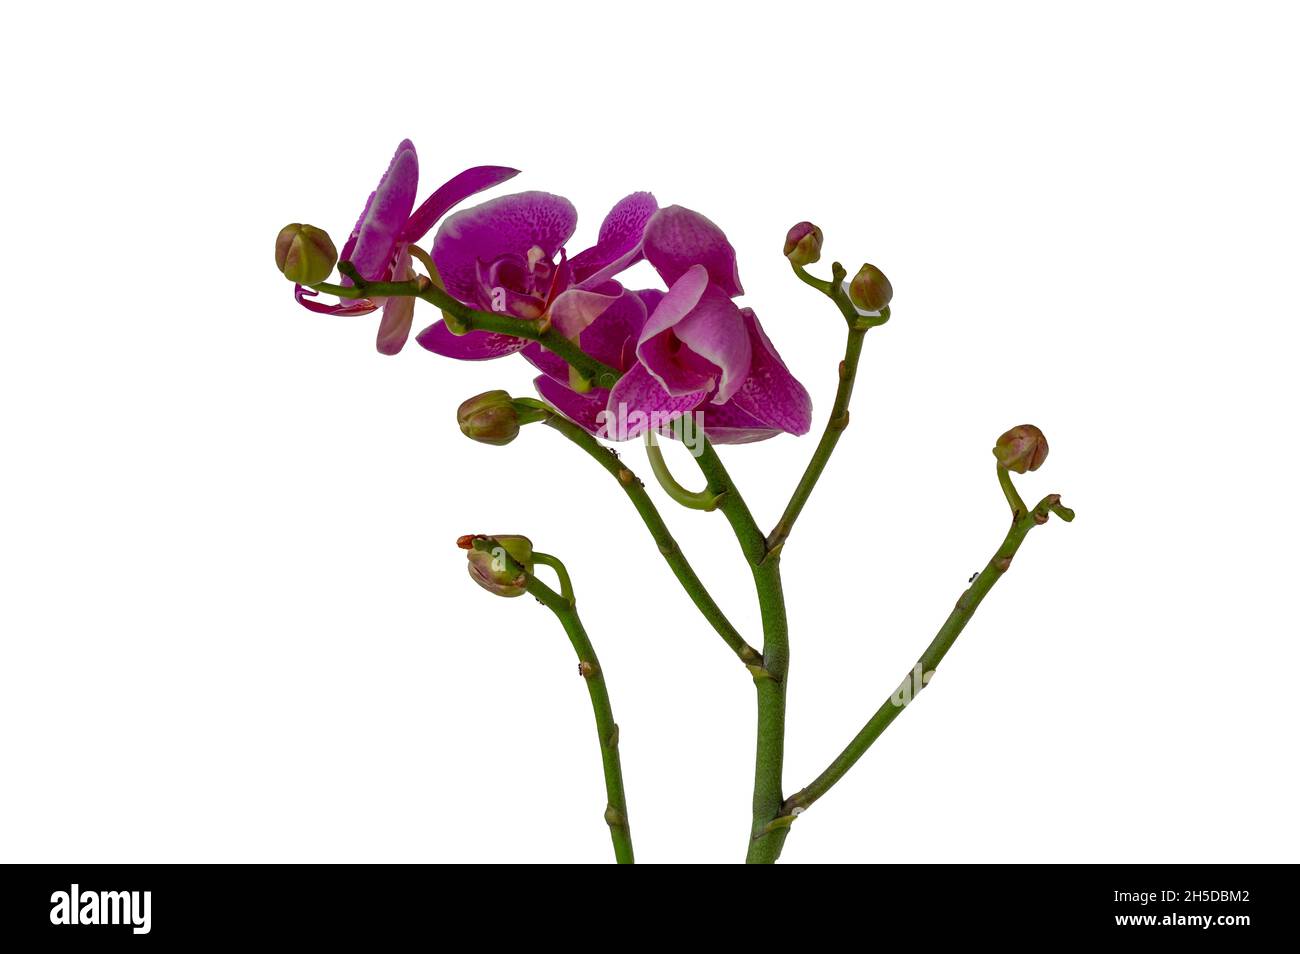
(691, 499)
(858, 324)
(839, 420)
(566, 585)
(620, 832)
(464, 319)
(668, 547)
(1018, 508)
(921, 673)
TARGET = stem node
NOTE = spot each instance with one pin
(614, 818)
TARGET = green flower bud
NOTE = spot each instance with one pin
(803, 244)
(491, 568)
(870, 289)
(1022, 448)
(305, 254)
(489, 418)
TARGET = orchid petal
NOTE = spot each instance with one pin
(676, 303)
(618, 246)
(650, 297)
(450, 194)
(574, 310)
(677, 238)
(370, 247)
(638, 402)
(471, 346)
(511, 224)
(658, 349)
(728, 424)
(395, 325)
(770, 392)
(583, 409)
(548, 362)
(715, 331)
(610, 339)
(349, 306)
(399, 312)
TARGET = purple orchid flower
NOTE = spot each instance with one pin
(502, 256)
(380, 242)
(688, 349)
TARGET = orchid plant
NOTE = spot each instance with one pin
(683, 362)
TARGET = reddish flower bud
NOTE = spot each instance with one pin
(1022, 448)
(305, 254)
(870, 289)
(493, 570)
(803, 244)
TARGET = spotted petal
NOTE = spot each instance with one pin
(618, 246)
(472, 346)
(770, 392)
(509, 225)
(728, 424)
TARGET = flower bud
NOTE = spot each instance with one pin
(491, 568)
(305, 254)
(803, 244)
(870, 289)
(489, 418)
(1022, 448)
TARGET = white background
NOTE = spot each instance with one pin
(235, 623)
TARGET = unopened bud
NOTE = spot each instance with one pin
(870, 289)
(305, 254)
(495, 569)
(1022, 448)
(803, 244)
(489, 418)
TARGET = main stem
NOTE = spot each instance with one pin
(620, 833)
(769, 681)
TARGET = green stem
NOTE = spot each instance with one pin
(820, 284)
(620, 832)
(929, 661)
(765, 840)
(691, 499)
(1018, 508)
(858, 325)
(465, 319)
(839, 420)
(566, 585)
(668, 547)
